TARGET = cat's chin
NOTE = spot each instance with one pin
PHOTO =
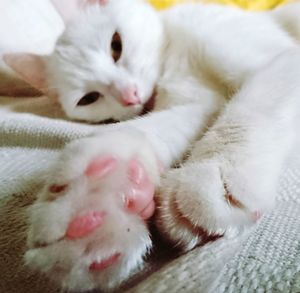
(149, 105)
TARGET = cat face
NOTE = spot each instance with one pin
(106, 64)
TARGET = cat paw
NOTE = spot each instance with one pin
(203, 201)
(88, 227)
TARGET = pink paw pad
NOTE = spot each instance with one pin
(57, 188)
(55, 191)
(136, 172)
(84, 225)
(147, 212)
(101, 167)
(139, 196)
(99, 266)
(256, 216)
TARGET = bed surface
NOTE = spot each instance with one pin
(266, 258)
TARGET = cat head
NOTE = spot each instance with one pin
(106, 63)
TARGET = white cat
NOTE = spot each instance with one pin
(237, 72)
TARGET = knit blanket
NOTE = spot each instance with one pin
(264, 259)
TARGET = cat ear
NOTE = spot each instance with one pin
(31, 68)
(69, 8)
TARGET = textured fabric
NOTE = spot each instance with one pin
(28, 146)
(264, 259)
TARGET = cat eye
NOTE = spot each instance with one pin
(116, 46)
(89, 98)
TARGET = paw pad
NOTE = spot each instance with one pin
(148, 211)
(55, 191)
(136, 172)
(57, 188)
(139, 196)
(84, 225)
(256, 216)
(99, 266)
(101, 167)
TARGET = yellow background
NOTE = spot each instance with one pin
(247, 4)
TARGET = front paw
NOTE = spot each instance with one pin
(87, 228)
(202, 201)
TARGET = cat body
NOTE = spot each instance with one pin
(207, 47)
(208, 53)
(207, 65)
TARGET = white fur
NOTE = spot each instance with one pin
(204, 60)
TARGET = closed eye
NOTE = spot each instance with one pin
(89, 98)
(116, 46)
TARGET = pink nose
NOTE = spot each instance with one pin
(130, 96)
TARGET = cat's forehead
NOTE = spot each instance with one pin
(91, 26)
(89, 34)
(128, 17)
(84, 49)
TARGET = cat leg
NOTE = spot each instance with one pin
(88, 227)
(230, 179)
